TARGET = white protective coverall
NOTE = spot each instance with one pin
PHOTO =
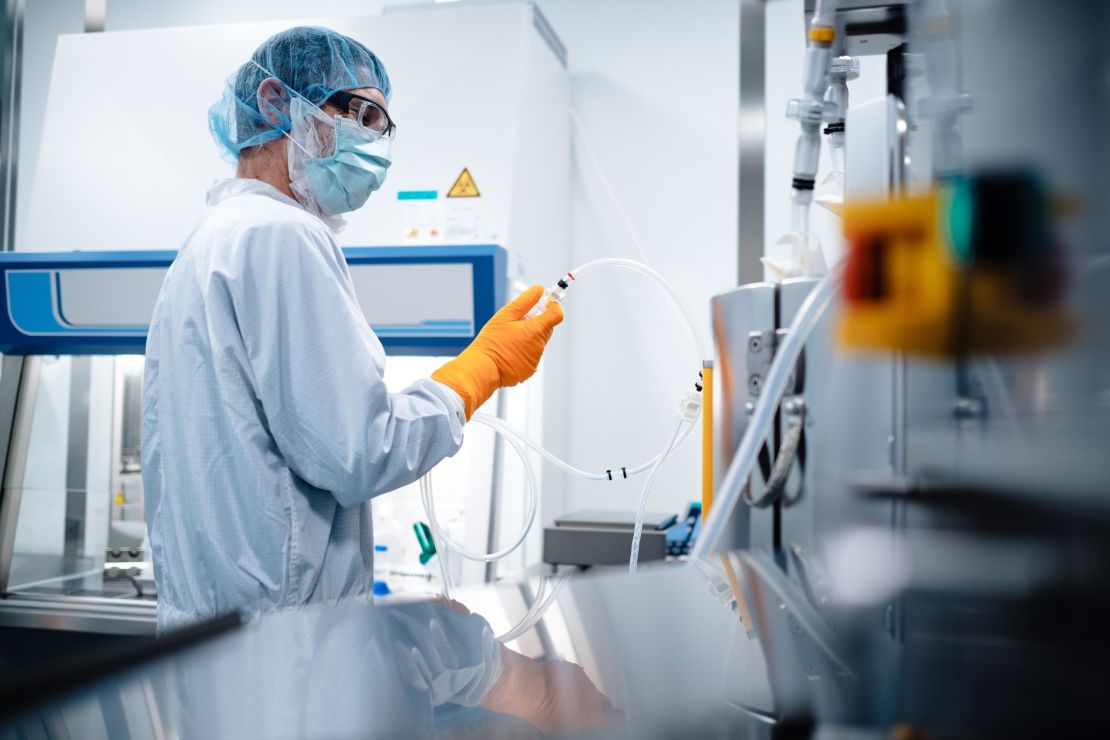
(267, 426)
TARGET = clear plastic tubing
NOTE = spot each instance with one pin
(799, 218)
(530, 615)
(643, 269)
(785, 358)
(441, 548)
(638, 530)
(836, 152)
(538, 609)
(519, 441)
(532, 497)
(503, 428)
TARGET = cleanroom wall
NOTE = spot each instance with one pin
(655, 89)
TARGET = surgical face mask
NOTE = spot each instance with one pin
(343, 182)
(334, 163)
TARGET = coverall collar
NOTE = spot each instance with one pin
(221, 190)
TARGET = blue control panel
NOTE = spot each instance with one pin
(418, 300)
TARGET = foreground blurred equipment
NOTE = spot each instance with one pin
(971, 269)
(914, 446)
(414, 670)
(348, 670)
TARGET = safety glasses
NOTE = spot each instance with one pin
(365, 111)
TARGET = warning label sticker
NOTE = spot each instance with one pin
(464, 186)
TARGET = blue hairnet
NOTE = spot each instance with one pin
(315, 62)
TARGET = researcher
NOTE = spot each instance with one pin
(267, 425)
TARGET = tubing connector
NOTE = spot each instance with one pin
(556, 292)
(812, 108)
(808, 110)
(690, 405)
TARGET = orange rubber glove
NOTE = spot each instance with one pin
(506, 351)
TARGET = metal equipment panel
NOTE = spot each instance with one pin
(800, 405)
(744, 324)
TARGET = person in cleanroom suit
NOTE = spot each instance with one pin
(267, 426)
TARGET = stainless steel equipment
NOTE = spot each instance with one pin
(936, 556)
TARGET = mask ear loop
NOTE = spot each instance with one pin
(285, 133)
(296, 143)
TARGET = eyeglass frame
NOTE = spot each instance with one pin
(341, 99)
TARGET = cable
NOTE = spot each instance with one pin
(776, 482)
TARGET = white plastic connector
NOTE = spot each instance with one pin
(811, 111)
(690, 405)
(844, 68)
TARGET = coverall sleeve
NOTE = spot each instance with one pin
(317, 369)
(454, 657)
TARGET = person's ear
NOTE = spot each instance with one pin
(273, 102)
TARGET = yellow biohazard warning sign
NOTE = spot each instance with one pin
(464, 186)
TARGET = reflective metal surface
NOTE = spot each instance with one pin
(24, 376)
(11, 75)
(88, 615)
(658, 647)
(751, 125)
